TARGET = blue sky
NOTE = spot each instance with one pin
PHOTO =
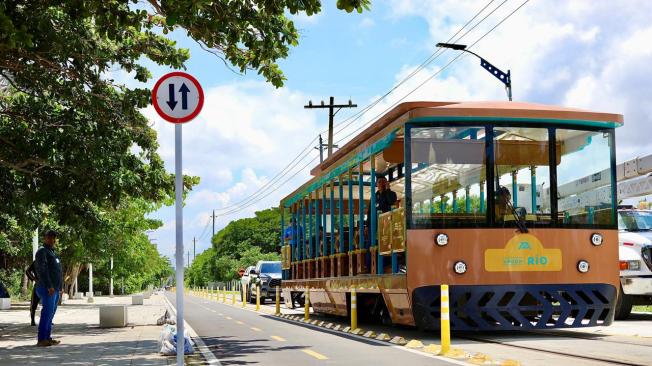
(578, 53)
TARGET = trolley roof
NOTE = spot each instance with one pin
(488, 111)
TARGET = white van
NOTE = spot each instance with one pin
(635, 253)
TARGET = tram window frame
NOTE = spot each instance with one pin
(476, 219)
(555, 221)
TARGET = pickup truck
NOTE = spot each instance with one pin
(635, 256)
(265, 273)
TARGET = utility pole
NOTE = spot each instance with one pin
(213, 224)
(188, 259)
(331, 116)
(321, 149)
(194, 249)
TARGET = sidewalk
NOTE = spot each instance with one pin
(76, 325)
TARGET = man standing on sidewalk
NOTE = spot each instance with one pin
(48, 287)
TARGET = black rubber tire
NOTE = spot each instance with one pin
(623, 306)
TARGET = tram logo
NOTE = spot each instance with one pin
(523, 253)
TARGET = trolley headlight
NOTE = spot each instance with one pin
(583, 266)
(460, 267)
(596, 239)
(441, 239)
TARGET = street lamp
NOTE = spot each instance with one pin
(505, 78)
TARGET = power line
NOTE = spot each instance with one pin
(438, 52)
(438, 71)
(246, 202)
(274, 190)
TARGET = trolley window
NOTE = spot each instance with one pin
(584, 178)
(522, 171)
(448, 182)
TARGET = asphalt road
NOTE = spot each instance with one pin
(241, 337)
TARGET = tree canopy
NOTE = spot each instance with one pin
(74, 146)
(240, 244)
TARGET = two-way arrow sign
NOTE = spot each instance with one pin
(172, 103)
(168, 90)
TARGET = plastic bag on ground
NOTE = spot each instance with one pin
(168, 341)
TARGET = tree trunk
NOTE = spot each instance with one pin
(69, 277)
(23, 288)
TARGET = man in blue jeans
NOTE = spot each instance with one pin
(48, 287)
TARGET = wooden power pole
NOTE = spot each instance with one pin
(331, 116)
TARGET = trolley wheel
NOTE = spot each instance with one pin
(623, 305)
(299, 298)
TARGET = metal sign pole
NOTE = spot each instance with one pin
(178, 193)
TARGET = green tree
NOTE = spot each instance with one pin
(240, 244)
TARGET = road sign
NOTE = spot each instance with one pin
(178, 97)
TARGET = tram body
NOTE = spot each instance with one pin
(485, 205)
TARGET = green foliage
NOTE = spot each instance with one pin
(240, 244)
(76, 154)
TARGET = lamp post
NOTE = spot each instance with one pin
(505, 78)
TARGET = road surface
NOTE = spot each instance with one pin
(241, 337)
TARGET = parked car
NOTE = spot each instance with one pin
(249, 273)
(267, 274)
(635, 255)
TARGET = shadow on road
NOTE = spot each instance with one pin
(232, 351)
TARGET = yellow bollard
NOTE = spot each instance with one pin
(233, 297)
(244, 297)
(224, 295)
(306, 311)
(278, 300)
(445, 321)
(354, 310)
(257, 297)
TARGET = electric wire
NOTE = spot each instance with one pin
(437, 72)
(304, 153)
(249, 200)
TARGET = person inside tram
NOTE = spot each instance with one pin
(289, 232)
(385, 197)
(503, 197)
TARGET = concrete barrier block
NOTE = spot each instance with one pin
(64, 297)
(5, 303)
(78, 296)
(113, 316)
(147, 294)
(137, 299)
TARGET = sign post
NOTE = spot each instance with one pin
(169, 90)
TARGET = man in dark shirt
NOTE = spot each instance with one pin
(385, 197)
(48, 287)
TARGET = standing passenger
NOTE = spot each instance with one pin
(48, 287)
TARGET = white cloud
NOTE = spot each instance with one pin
(578, 53)
(366, 22)
(245, 134)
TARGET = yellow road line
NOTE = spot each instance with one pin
(314, 354)
(256, 329)
(277, 338)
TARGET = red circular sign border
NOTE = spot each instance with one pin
(187, 118)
